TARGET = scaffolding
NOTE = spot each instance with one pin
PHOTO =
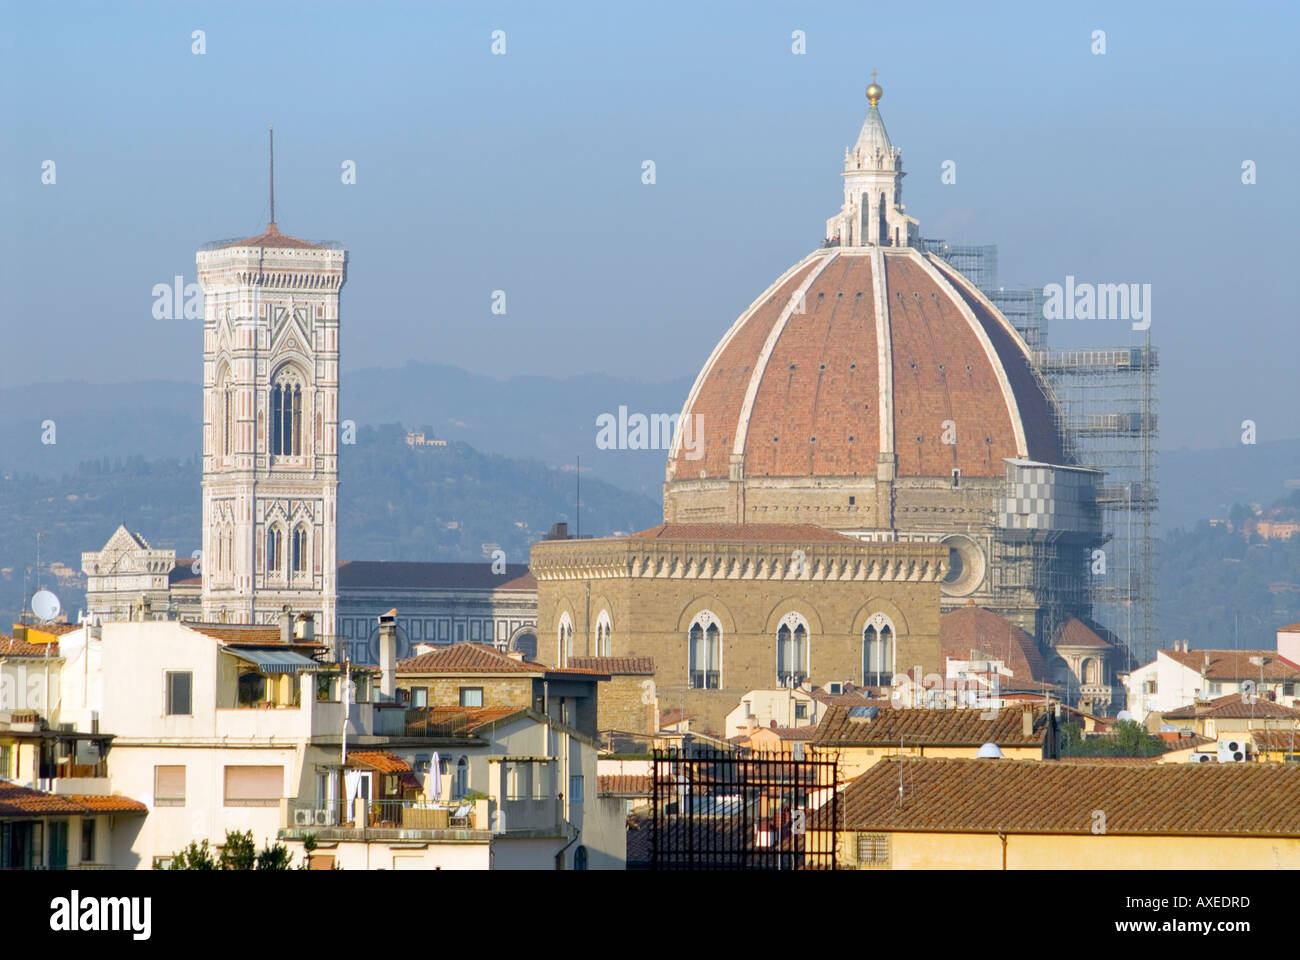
(1105, 401)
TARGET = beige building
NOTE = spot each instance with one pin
(951, 814)
(724, 608)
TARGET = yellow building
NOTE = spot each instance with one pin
(859, 739)
(948, 814)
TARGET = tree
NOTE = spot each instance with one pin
(1131, 739)
(239, 852)
(194, 857)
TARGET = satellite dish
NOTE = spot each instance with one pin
(1124, 715)
(990, 751)
(45, 605)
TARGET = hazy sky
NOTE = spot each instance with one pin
(522, 173)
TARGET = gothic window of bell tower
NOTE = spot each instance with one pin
(286, 414)
(300, 549)
(273, 539)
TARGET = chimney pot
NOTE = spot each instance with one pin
(286, 625)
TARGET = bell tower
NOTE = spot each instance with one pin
(270, 426)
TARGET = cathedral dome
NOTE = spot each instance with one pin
(858, 353)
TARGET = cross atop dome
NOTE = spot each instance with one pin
(872, 214)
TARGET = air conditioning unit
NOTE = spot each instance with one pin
(321, 818)
(1201, 758)
(302, 817)
(1232, 751)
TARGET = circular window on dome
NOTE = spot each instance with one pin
(965, 566)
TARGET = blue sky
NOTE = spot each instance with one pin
(522, 173)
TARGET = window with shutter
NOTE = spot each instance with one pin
(169, 786)
(254, 786)
(873, 849)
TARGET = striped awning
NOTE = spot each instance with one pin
(277, 661)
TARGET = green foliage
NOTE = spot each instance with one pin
(239, 852)
(1127, 739)
(196, 856)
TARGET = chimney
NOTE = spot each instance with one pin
(388, 655)
(1027, 722)
(286, 624)
(515, 655)
(305, 628)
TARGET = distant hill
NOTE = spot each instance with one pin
(395, 502)
(546, 418)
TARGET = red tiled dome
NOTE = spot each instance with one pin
(800, 393)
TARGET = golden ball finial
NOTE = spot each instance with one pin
(874, 93)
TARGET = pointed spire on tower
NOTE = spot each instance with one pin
(272, 228)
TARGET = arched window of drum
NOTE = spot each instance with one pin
(273, 548)
(878, 651)
(300, 555)
(1090, 671)
(286, 414)
(792, 651)
(704, 652)
(604, 635)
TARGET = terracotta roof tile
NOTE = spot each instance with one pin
(461, 658)
(9, 647)
(237, 632)
(1075, 633)
(971, 628)
(455, 721)
(110, 804)
(1284, 740)
(614, 665)
(1043, 796)
(380, 760)
(1235, 664)
(16, 801)
(274, 238)
(1232, 707)
(928, 727)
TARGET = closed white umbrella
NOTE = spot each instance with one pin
(433, 786)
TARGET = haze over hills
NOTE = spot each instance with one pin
(396, 502)
(129, 453)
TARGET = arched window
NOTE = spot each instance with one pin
(580, 857)
(704, 653)
(300, 549)
(604, 642)
(792, 651)
(878, 651)
(565, 639)
(273, 556)
(525, 642)
(460, 786)
(286, 414)
(225, 415)
(1090, 671)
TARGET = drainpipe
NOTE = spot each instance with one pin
(1003, 838)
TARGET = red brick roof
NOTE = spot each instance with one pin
(1235, 664)
(274, 238)
(16, 801)
(237, 632)
(380, 760)
(974, 628)
(461, 658)
(1232, 707)
(809, 380)
(744, 533)
(111, 804)
(1043, 796)
(9, 647)
(922, 726)
(1075, 633)
(614, 665)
